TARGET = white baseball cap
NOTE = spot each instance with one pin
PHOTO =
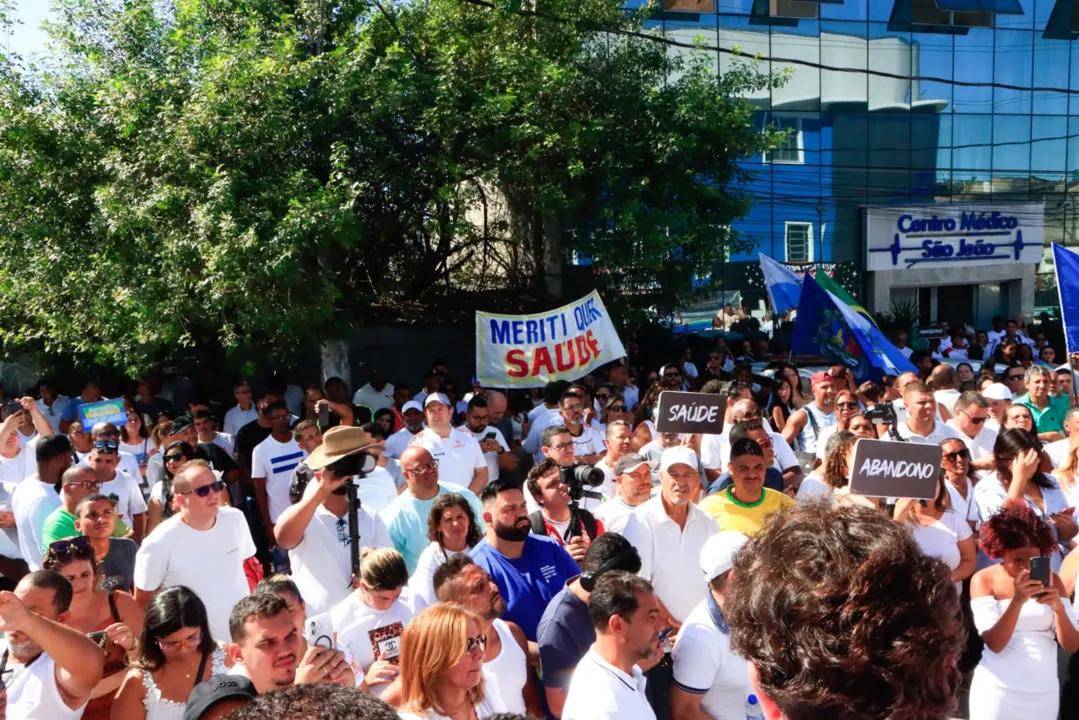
(719, 551)
(411, 405)
(679, 455)
(997, 391)
(436, 398)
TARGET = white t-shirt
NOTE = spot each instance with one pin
(784, 456)
(947, 398)
(127, 463)
(362, 630)
(396, 443)
(377, 490)
(940, 540)
(32, 693)
(237, 417)
(275, 462)
(980, 445)
(458, 455)
(704, 664)
(208, 562)
(813, 488)
(907, 352)
(14, 470)
(422, 583)
(1057, 452)
(964, 507)
(31, 503)
(939, 433)
(490, 457)
(322, 562)
(614, 514)
(226, 442)
(600, 691)
(374, 400)
(589, 442)
(128, 493)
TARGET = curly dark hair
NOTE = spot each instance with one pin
(1015, 526)
(845, 617)
(835, 468)
(443, 503)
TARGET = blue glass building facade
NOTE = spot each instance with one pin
(906, 104)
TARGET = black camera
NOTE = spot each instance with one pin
(882, 414)
(578, 476)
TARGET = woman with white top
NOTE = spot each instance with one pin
(374, 616)
(452, 529)
(1020, 620)
(176, 653)
(442, 668)
(135, 439)
(1068, 473)
(941, 532)
(160, 508)
(958, 474)
(1018, 476)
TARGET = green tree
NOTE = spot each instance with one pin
(261, 175)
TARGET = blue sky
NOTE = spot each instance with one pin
(28, 38)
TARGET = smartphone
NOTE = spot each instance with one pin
(318, 631)
(489, 436)
(1039, 570)
(323, 417)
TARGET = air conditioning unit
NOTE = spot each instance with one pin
(800, 9)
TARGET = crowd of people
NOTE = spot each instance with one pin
(545, 553)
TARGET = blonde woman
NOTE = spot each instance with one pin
(1067, 474)
(442, 668)
(941, 532)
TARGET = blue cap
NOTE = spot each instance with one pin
(753, 700)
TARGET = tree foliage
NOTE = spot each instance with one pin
(268, 174)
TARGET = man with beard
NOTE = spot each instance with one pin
(505, 660)
(53, 668)
(803, 428)
(608, 682)
(529, 570)
(496, 451)
(412, 413)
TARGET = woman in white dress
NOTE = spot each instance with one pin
(1020, 621)
(176, 653)
(442, 668)
(452, 529)
(941, 532)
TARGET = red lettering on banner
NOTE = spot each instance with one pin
(542, 357)
(564, 363)
(593, 343)
(518, 366)
(582, 350)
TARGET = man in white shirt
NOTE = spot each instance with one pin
(51, 404)
(376, 394)
(1000, 398)
(633, 479)
(126, 461)
(244, 411)
(496, 451)
(921, 425)
(315, 530)
(120, 486)
(50, 669)
(710, 679)
(970, 419)
(608, 684)
(618, 441)
(36, 497)
(945, 387)
(16, 462)
(272, 464)
(460, 460)
(618, 375)
(803, 426)
(204, 426)
(1058, 451)
(540, 417)
(588, 444)
(901, 344)
(412, 414)
(203, 547)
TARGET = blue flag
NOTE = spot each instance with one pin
(1067, 269)
(828, 327)
(782, 284)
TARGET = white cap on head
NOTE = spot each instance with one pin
(411, 405)
(719, 551)
(436, 397)
(679, 455)
(997, 391)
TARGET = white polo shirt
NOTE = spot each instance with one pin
(459, 455)
(396, 443)
(939, 433)
(670, 555)
(980, 445)
(705, 665)
(600, 691)
(492, 457)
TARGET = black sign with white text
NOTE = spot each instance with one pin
(880, 468)
(686, 412)
(932, 332)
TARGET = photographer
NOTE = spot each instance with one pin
(557, 446)
(555, 518)
(315, 530)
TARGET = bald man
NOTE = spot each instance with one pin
(406, 516)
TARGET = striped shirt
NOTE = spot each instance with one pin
(275, 462)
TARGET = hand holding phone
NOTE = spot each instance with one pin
(1039, 570)
(323, 415)
(318, 631)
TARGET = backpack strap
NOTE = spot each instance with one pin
(539, 527)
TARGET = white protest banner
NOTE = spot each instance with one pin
(521, 351)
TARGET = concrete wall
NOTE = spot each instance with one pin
(1016, 281)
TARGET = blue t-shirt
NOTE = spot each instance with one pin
(564, 636)
(528, 583)
(773, 480)
(406, 521)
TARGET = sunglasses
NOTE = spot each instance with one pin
(62, 547)
(175, 458)
(953, 456)
(178, 645)
(976, 421)
(480, 641)
(847, 405)
(84, 484)
(106, 446)
(603, 396)
(618, 408)
(205, 490)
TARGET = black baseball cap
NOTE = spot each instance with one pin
(218, 688)
(179, 425)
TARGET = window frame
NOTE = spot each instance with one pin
(810, 255)
(798, 137)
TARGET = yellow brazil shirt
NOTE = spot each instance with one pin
(748, 518)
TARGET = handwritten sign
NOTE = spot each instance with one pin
(686, 412)
(532, 350)
(881, 468)
(111, 411)
(932, 332)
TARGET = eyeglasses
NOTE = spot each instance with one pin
(975, 420)
(419, 469)
(953, 456)
(603, 396)
(573, 408)
(561, 446)
(1014, 377)
(480, 641)
(106, 446)
(205, 490)
(177, 457)
(84, 484)
(618, 408)
(847, 405)
(62, 547)
(177, 645)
